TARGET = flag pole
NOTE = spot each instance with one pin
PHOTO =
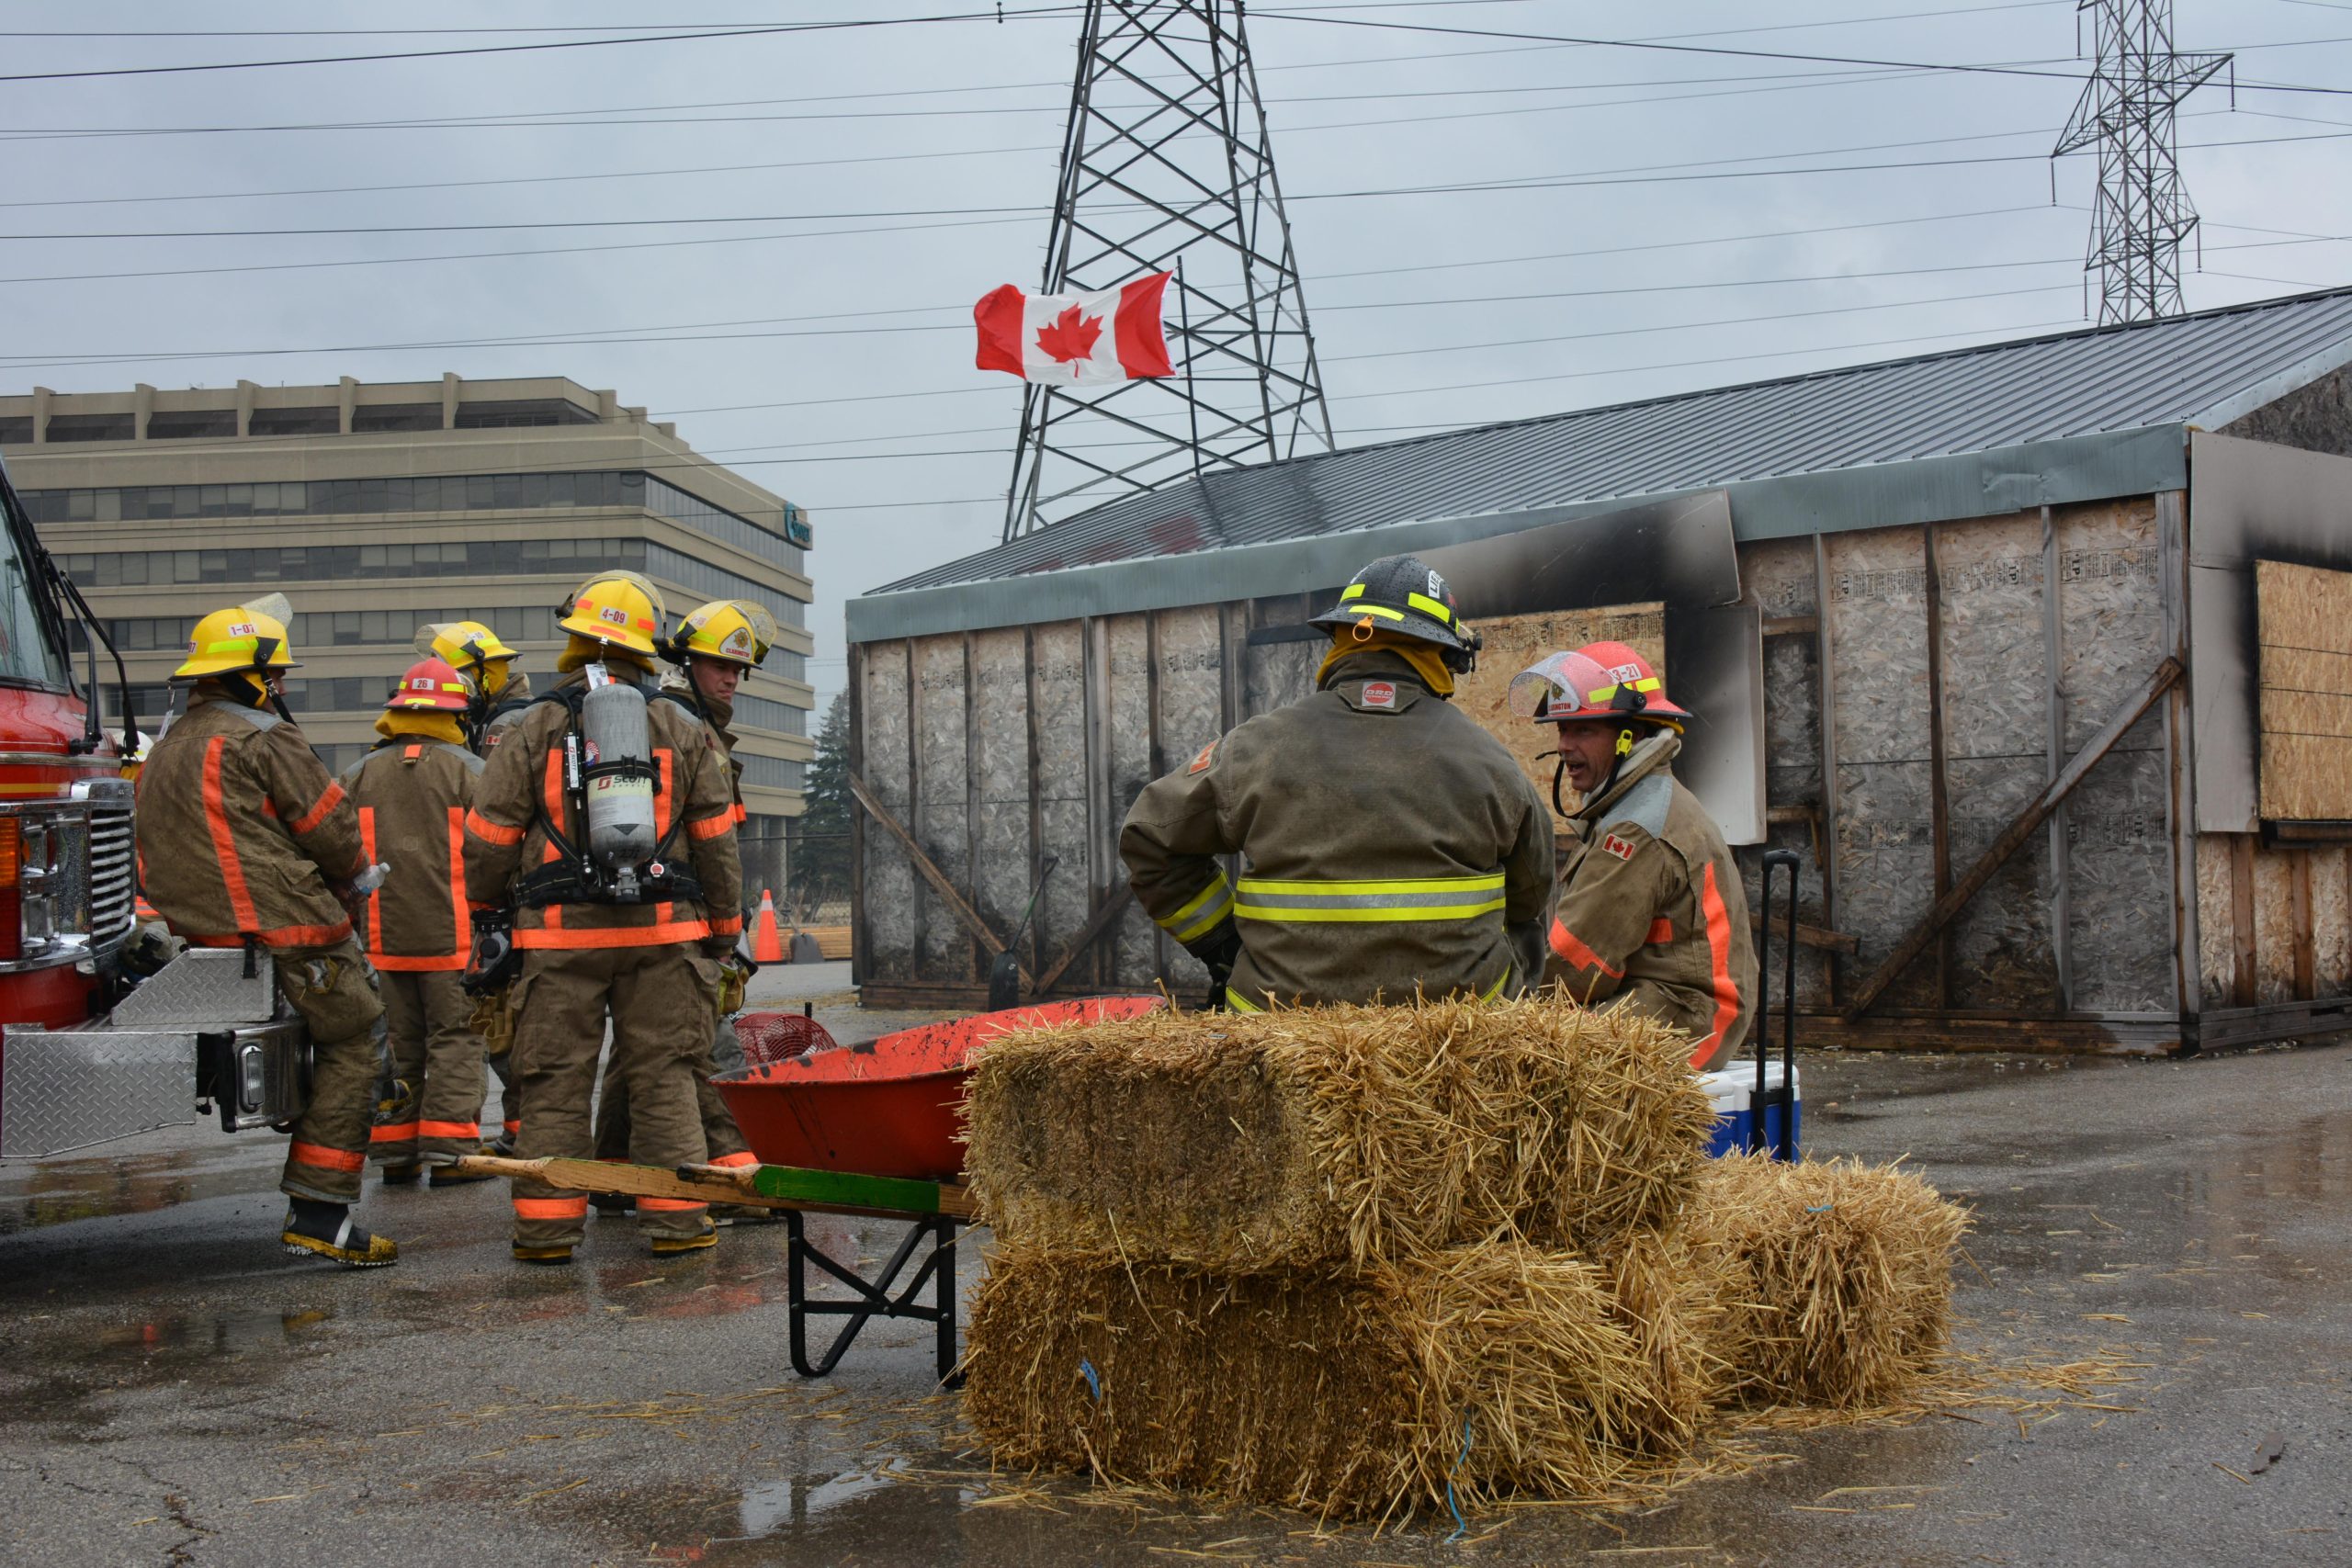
(1192, 398)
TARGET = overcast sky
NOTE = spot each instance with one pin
(787, 345)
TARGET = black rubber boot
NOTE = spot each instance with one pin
(328, 1231)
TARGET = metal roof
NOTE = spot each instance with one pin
(2204, 369)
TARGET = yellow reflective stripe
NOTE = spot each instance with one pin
(1239, 1002)
(1395, 884)
(1199, 916)
(1401, 912)
(1434, 609)
(1352, 590)
(1381, 610)
(1491, 992)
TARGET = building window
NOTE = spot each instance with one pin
(16, 430)
(520, 412)
(766, 713)
(770, 772)
(295, 421)
(191, 424)
(396, 416)
(91, 428)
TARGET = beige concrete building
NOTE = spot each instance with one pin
(375, 507)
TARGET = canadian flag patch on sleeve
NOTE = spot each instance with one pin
(1201, 761)
(1617, 846)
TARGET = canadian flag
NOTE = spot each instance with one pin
(1075, 340)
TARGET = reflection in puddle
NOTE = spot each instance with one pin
(53, 1193)
(232, 1334)
(800, 1498)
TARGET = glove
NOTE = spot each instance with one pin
(1220, 954)
(745, 963)
(730, 986)
(495, 960)
(718, 947)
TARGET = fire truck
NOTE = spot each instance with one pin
(90, 1050)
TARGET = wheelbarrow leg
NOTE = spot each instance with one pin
(931, 1236)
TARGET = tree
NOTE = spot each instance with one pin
(821, 836)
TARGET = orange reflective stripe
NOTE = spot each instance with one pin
(664, 801)
(326, 1158)
(461, 937)
(1726, 988)
(726, 925)
(740, 815)
(1571, 948)
(660, 935)
(318, 811)
(276, 936)
(710, 826)
(670, 1205)
(403, 1133)
(372, 927)
(740, 1157)
(393, 963)
(224, 841)
(448, 1129)
(514, 1126)
(551, 1208)
(489, 832)
(551, 793)
(1661, 932)
(412, 750)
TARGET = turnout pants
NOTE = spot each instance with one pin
(660, 1001)
(429, 1018)
(493, 1020)
(720, 1135)
(335, 991)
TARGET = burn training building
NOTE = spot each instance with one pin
(2039, 654)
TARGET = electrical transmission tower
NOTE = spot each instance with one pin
(2143, 214)
(1167, 165)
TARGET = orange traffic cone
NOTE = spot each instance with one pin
(767, 942)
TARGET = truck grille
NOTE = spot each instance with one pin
(110, 872)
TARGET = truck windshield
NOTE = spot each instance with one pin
(26, 653)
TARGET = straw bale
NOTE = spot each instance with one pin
(1346, 1393)
(1335, 1135)
(1675, 1296)
(1840, 1279)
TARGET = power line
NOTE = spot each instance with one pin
(762, 31)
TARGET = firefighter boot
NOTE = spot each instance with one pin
(327, 1230)
(665, 1246)
(553, 1252)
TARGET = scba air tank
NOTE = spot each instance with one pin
(621, 834)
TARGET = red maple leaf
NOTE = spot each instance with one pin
(1071, 338)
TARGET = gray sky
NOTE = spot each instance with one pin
(1958, 241)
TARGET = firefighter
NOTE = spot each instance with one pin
(486, 665)
(412, 791)
(1391, 845)
(498, 693)
(1651, 907)
(605, 818)
(713, 646)
(246, 841)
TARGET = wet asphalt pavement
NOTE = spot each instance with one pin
(175, 1390)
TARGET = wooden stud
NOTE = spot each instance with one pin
(972, 801)
(919, 907)
(1791, 625)
(1036, 765)
(2244, 981)
(1156, 760)
(1938, 782)
(2298, 895)
(861, 940)
(980, 930)
(2062, 941)
(1826, 718)
(2180, 759)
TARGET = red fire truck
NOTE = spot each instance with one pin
(88, 1051)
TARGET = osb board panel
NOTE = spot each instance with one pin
(889, 908)
(1813, 963)
(1001, 755)
(2304, 625)
(1876, 621)
(1779, 575)
(1514, 642)
(2118, 858)
(1276, 674)
(1997, 739)
(2216, 920)
(2274, 926)
(1191, 714)
(1137, 965)
(941, 823)
(1058, 656)
(2332, 921)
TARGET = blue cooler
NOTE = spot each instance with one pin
(1732, 1088)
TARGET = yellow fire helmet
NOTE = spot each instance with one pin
(736, 630)
(619, 608)
(239, 638)
(470, 649)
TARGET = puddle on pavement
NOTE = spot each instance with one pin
(803, 1499)
(53, 1193)
(232, 1334)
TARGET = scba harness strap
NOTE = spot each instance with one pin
(575, 878)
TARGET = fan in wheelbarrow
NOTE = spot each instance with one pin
(771, 1037)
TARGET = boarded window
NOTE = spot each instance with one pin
(2303, 619)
